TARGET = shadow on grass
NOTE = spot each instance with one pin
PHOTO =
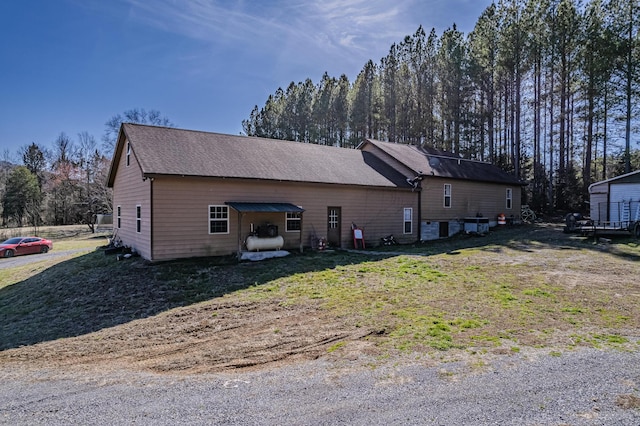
(524, 238)
(94, 291)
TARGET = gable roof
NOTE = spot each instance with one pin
(177, 152)
(432, 162)
(633, 177)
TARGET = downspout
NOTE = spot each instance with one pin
(416, 182)
(151, 219)
(419, 188)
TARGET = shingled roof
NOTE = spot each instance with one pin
(432, 162)
(170, 151)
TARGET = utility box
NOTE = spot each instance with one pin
(476, 225)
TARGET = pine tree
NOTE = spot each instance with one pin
(452, 57)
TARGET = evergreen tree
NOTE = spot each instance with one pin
(33, 158)
(22, 197)
(598, 54)
(340, 110)
(452, 59)
(539, 87)
(362, 105)
(625, 25)
(482, 72)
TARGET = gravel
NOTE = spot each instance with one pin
(582, 387)
(14, 262)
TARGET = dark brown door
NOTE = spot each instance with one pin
(444, 229)
(334, 215)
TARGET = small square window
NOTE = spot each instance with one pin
(293, 221)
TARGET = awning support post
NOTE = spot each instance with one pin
(239, 254)
(301, 228)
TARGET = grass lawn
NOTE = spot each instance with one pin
(521, 287)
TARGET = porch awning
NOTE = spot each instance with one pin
(264, 207)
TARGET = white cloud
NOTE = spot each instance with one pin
(348, 31)
(295, 38)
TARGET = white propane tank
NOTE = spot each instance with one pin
(271, 243)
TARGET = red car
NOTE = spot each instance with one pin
(24, 245)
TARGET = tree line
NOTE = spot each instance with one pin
(546, 89)
(65, 184)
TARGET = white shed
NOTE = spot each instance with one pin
(616, 201)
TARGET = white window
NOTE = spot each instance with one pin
(447, 195)
(333, 218)
(119, 217)
(138, 218)
(128, 154)
(293, 221)
(218, 219)
(509, 198)
(408, 220)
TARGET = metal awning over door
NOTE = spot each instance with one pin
(264, 207)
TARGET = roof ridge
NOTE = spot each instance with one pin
(240, 136)
(184, 152)
(423, 149)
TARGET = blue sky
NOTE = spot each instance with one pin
(70, 65)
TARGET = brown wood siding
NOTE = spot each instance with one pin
(181, 213)
(468, 199)
(129, 191)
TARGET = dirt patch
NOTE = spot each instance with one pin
(206, 338)
(628, 402)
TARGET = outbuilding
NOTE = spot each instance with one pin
(616, 201)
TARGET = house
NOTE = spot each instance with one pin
(454, 190)
(183, 193)
(616, 201)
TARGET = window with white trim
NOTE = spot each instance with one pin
(333, 218)
(128, 155)
(119, 217)
(408, 220)
(447, 195)
(218, 219)
(509, 199)
(138, 218)
(293, 221)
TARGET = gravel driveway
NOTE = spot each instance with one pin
(13, 262)
(585, 387)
